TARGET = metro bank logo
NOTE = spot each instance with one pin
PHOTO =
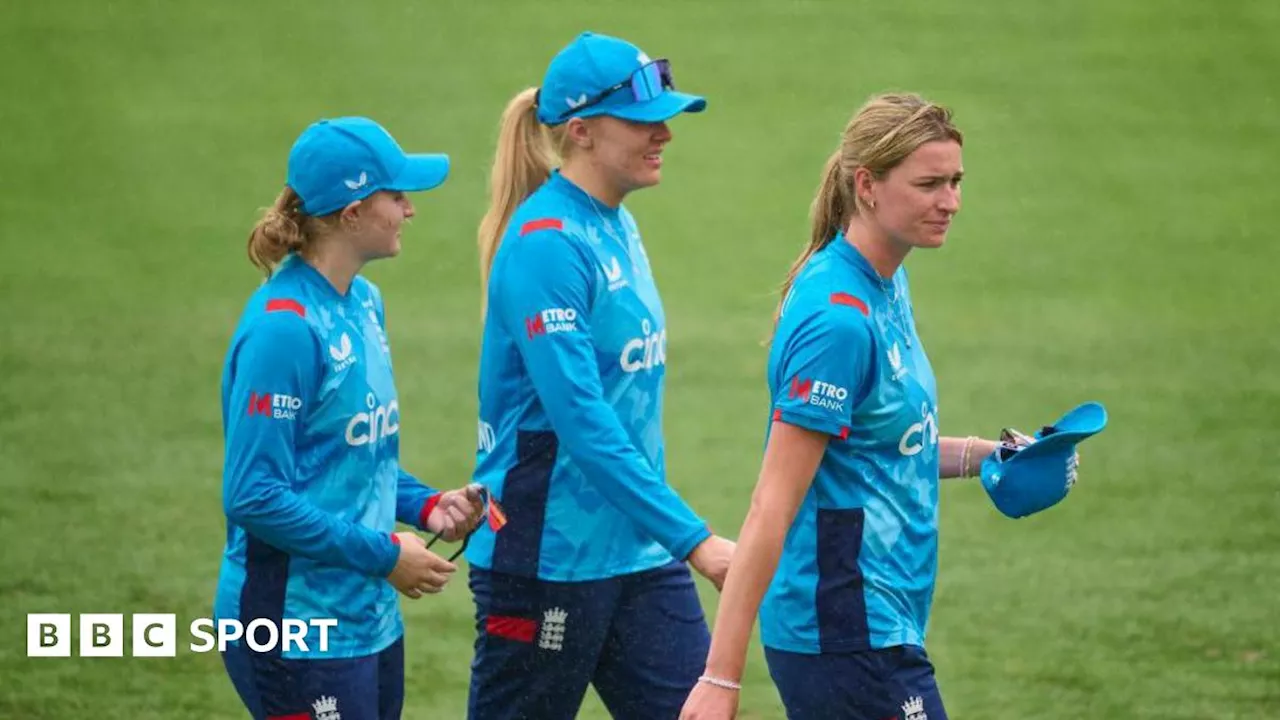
(816, 392)
(801, 388)
(274, 405)
(551, 320)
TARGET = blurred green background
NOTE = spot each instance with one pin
(1117, 243)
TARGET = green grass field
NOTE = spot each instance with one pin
(1117, 243)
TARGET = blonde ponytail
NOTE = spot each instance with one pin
(828, 216)
(523, 162)
(278, 233)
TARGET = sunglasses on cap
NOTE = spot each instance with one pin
(646, 83)
(1011, 441)
(493, 513)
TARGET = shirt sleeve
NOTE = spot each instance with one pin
(274, 379)
(544, 302)
(824, 371)
(414, 500)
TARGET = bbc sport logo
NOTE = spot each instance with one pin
(156, 634)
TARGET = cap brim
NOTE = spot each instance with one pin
(660, 109)
(1076, 426)
(421, 172)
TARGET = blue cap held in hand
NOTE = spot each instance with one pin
(1030, 479)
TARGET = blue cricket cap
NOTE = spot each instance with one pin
(1041, 474)
(602, 75)
(340, 160)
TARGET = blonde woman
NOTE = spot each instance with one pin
(840, 543)
(586, 584)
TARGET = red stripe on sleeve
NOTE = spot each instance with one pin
(286, 305)
(543, 224)
(427, 507)
(512, 628)
(844, 431)
(844, 298)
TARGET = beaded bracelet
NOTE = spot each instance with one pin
(726, 684)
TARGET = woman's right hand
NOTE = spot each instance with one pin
(712, 557)
(707, 702)
(419, 571)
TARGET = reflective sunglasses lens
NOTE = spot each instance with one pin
(664, 73)
(646, 83)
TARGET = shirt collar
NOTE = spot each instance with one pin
(293, 263)
(844, 249)
(564, 187)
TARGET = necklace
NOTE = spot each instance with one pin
(896, 315)
(608, 227)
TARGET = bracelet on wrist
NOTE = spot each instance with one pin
(966, 457)
(720, 683)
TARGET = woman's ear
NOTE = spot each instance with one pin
(864, 187)
(579, 132)
(350, 215)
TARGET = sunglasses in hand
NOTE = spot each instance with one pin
(493, 513)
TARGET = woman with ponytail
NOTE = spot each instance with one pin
(312, 484)
(587, 582)
(838, 552)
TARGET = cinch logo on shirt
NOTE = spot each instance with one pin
(816, 392)
(552, 320)
(644, 353)
(274, 405)
(925, 431)
(367, 428)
